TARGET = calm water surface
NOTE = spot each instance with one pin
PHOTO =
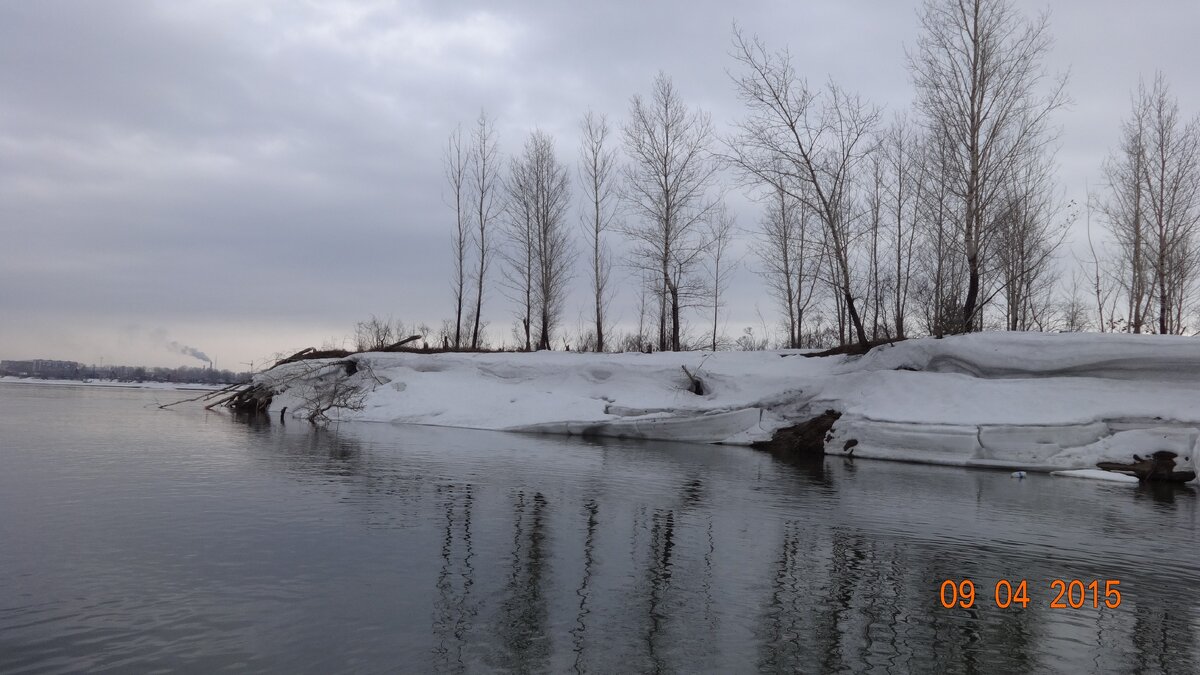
(134, 540)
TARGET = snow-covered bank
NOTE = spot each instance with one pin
(1038, 402)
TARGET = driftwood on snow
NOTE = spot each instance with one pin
(310, 354)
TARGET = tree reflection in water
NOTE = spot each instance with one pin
(454, 611)
(599, 557)
(524, 644)
(591, 507)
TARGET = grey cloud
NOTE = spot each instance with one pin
(224, 161)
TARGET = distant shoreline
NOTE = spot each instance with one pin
(113, 384)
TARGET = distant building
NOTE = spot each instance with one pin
(45, 368)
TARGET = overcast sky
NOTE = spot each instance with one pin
(253, 177)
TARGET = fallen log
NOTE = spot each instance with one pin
(804, 440)
(223, 401)
(294, 357)
(854, 349)
(1159, 466)
(397, 346)
(206, 395)
(312, 354)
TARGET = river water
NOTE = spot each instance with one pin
(134, 539)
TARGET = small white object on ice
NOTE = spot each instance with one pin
(1018, 474)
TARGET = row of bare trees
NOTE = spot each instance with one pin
(522, 215)
(944, 220)
(962, 201)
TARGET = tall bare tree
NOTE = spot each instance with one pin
(666, 182)
(1123, 208)
(718, 265)
(939, 256)
(903, 153)
(789, 254)
(1152, 209)
(597, 172)
(875, 201)
(520, 249)
(1030, 232)
(455, 162)
(539, 197)
(979, 79)
(484, 179)
(810, 144)
(1172, 185)
(555, 253)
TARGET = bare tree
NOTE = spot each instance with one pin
(484, 180)
(520, 251)
(718, 266)
(555, 254)
(903, 152)
(810, 144)
(1152, 209)
(875, 201)
(666, 183)
(939, 258)
(1073, 313)
(1172, 186)
(597, 172)
(330, 391)
(978, 71)
(790, 256)
(539, 196)
(1103, 291)
(455, 162)
(1123, 208)
(374, 333)
(1029, 234)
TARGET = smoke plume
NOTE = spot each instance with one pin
(188, 351)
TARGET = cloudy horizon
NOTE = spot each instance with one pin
(251, 180)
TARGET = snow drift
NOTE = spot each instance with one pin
(1042, 402)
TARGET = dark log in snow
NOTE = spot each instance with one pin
(1159, 466)
(805, 440)
(398, 346)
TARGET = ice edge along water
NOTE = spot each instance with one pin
(1028, 401)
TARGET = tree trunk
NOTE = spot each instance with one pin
(856, 321)
(972, 299)
(599, 285)
(544, 339)
(458, 308)
(1164, 305)
(674, 317)
(599, 326)
(662, 309)
(478, 309)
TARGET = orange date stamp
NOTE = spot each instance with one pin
(1067, 593)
